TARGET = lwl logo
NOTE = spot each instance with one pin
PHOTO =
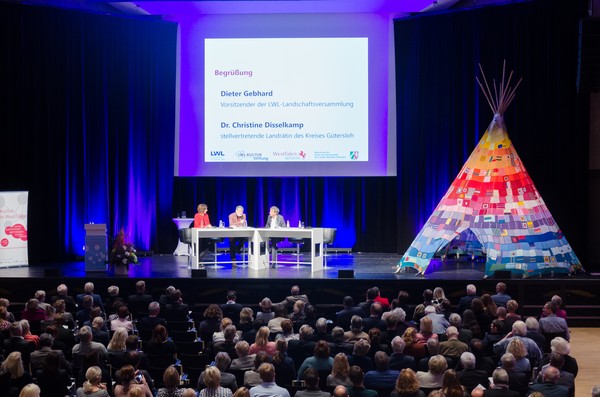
(217, 153)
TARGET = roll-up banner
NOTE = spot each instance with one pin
(13, 229)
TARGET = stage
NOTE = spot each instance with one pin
(346, 273)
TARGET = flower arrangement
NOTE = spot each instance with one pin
(123, 252)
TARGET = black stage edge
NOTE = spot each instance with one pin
(326, 289)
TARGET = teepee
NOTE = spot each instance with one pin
(494, 199)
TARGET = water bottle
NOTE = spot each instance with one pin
(299, 224)
(287, 224)
(221, 223)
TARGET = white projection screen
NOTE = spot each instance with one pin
(286, 95)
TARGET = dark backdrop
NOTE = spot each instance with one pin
(88, 129)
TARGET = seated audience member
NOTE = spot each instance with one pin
(138, 302)
(285, 368)
(211, 377)
(33, 312)
(252, 377)
(117, 347)
(391, 328)
(265, 314)
(262, 343)
(287, 331)
(338, 345)
(492, 337)
(302, 348)
(359, 356)
(227, 380)
(533, 332)
(177, 310)
(167, 297)
(61, 307)
(344, 316)
(268, 387)
(90, 359)
(112, 301)
(246, 322)
(171, 382)
(159, 343)
(129, 381)
(294, 297)
(438, 321)
(504, 326)
(228, 343)
(52, 379)
(135, 359)
(414, 347)
(93, 385)
(375, 338)
(433, 349)
(319, 361)
(298, 314)
(13, 376)
(311, 381)
(211, 323)
(500, 298)
(219, 336)
(434, 377)
(470, 322)
(558, 361)
(550, 323)
(517, 381)
(500, 386)
(88, 290)
(518, 350)
(4, 323)
(28, 336)
(483, 362)
(425, 330)
(563, 347)
(465, 302)
(86, 344)
(451, 386)
(407, 385)
(464, 334)
(452, 347)
(511, 316)
(62, 292)
(356, 331)
(370, 299)
(399, 360)
(557, 300)
(321, 331)
(86, 306)
(469, 376)
(339, 371)
(5, 303)
(30, 390)
(146, 325)
(519, 331)
(36, 359)
(374, 320)
(358, 389)
(16, 343)
(244, 361)
(280, 314)
(549, 386)
(99, 333)
(231, 308)
(382, 377)
(122, 320)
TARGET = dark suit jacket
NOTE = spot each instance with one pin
(549, 389)
(299, 350)
(232, 310)
(36, 359)
(373, 322)
(399, 361)
(17, 344)
(465, 303)
(100, 336)
(470, 378)
(96, 297)
(138, 303)
(344, 316)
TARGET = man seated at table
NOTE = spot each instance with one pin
(274, 220)
(236, 219)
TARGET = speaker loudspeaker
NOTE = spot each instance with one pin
(52, 272)
(199, 273)
(345, 273)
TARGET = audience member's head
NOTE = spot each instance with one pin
(560, 345)
(437, 364)
(382, 361)
(356, 376)
(398, 345)
(212, 377)
(266, 372)
(500, 377)
(407, 382)
(468, 360)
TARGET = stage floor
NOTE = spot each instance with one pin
(367, 266)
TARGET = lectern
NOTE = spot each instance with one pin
(95, 247)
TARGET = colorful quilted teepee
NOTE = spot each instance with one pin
(494, 199)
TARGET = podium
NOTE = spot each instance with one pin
(95, 247)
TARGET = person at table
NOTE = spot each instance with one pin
(236, 219)
(275, 219)
(201, 221)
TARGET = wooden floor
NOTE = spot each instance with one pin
(585, 347)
